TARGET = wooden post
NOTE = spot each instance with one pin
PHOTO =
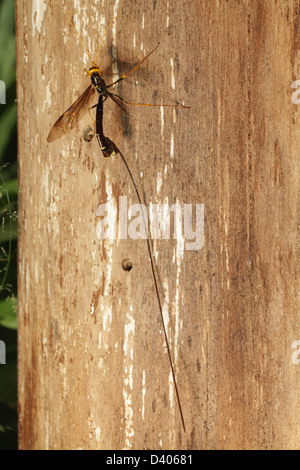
(93, 366)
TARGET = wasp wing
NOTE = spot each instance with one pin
(118, 101)
(68, 120)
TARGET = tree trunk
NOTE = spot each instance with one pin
(93, 366)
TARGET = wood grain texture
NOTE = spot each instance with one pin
(93, 367)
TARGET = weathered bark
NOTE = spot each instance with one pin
(93, 367)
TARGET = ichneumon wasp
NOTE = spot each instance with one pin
(68, 120)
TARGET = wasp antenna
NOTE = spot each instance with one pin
(95, 61)
(78, 35)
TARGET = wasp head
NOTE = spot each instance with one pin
(94, 69)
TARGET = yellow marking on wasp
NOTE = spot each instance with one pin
(94, 70)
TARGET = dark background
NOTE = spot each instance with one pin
(8, 229)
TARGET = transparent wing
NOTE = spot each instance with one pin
(118, 101)
(68, 120)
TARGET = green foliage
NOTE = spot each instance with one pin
(8, 229)
(8, 112)
(8, 313)
(8, 152)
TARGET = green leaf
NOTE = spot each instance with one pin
(7, 19)
(7, 122)
(8, 313)
(10, 233)
(8, 73)
(11, 186)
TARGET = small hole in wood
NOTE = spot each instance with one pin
(127, 264)
(88, 134)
